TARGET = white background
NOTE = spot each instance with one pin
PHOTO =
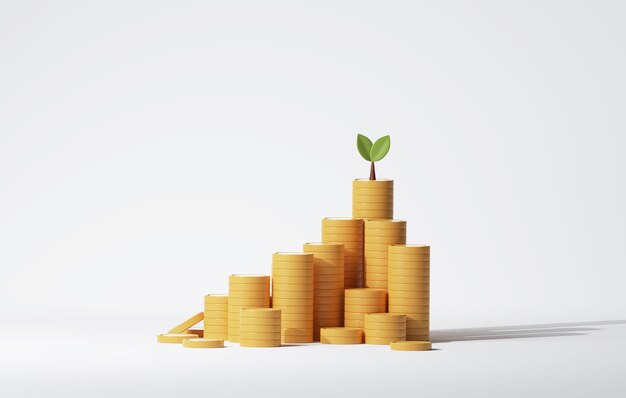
(148, 149)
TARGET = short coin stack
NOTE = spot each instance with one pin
(409, 287)
(259, 327)
(341, 336)
(349, 232)
(216, 316)
(384, 328)
(379, 234)
(372, 199)
(245, 291)
(328, 273)
(363, 301)
(292, 292)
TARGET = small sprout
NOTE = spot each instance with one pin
(373, 152)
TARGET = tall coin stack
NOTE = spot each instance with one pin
(216, 316)
(384, 328)
(379, 234)
(245, 291)
(409, 287)
(328, 264)
(363, 301)
(348, 231)
(259, 327)
(372, 199)
(292, 293)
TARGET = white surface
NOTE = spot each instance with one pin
(149, 149)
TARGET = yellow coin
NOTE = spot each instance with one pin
(382, 340)
(385, 326)
(292, 257)
(354, 257)
(326, 269)
(410, 309)
(248, 287)
(322, 300)
(395, 334)
(341, 222)
(336, 292)
(290, 311)
(423, 264)
(385, 224)
(381, 247)
(215, 316)
(329, 322)
(373, 214)
(247, 295)
(340, 340)
(286, 295)
(326, 230)
(216, 298)
(245, 334)
(408, 301)
(329, 278)
(213, 330)
(413, 317)
(375, 206)
(329, 314)
(413, 287)
(308, 325)
(352, 323)
(371, 276)
(187, 324)
(250, 328)
(245, 278)
(365, 293)
(375, 262)
(364, 182)
(386, 241)
(198, 332)
(261, 313)
(365, 301)
(409, 294)
(328, 258)
(399, 272)
(410, 249)
(332, 286)
(414, 280)
(376, 284)
(203, 343)
(283, 272)
(261, 322)
(297, 339)
(259, 343)
(386, 232)
(249, 302)
(365, 308)
(216, 335)
(295, 280)
(361, 195)
(412, 346)
(215, 308)
(317, 247)
(174, 338)
(292, 287)
(385, 318)
(380, 254)
(375, 269)
(408, 258)
(352, 247)
(295, 302)
(342, 332)
(385, 199)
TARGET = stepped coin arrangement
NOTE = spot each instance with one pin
(361, 284)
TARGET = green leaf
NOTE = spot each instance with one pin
(380, 148)
(364, 146)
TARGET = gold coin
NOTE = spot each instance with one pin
(336, 279)
(343, 239)
(217, 308)
(417, 331)
(237, 294)
(366, 301)
(187, 324)
(385, 198)
(325, 269)
(382, 340)
(196, 331)
(380, 254)
(408, 301)
(363, 194)
(413, 324)
(386, 232)
(297, 325)
(333, 286)
(366, 292)
(215, 335)
(373, 242)
(174, 338)
(320, 247)
(412, 346)
(375, 262)
(414, 287)
(385, 318)
(215, 315)
(410, 309)
(261, 313)
(251, 302)
(292, 257)
(327, 322)
(371, 276)
(328, 300)
(342, 332)
(365, 308)
(254, 279)
(328, 258)
(354, 323)
(410, 317)
(248, 287)
(410, 249)
(412, 272)
(290, 295)
(292, 287)
(293, 280)
(296, 302)
(373, 214)
(364, 182)
(288, 311)
(328, 314)
(213, 329)
(328, 230)
(300, 317)
(306, 330)
(408, 258)
(375, 269)
(376, 284)
(340, 340)
(260, 343)
(283, 272)
(245, 335)
(261, 322)
(375, 206)
(329, 292)
(352, 248)
(385, 224)
(408, 279)
(409, 265)
(203, 343)
(341, 222)
(216, 298)
(409, 294)
(297, 339)
(380, 247)
(397, 334)
(384, 326)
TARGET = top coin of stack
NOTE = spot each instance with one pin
(372, 199)
(292, 292)
(245, 291)
(379, 234)
(328, 266)
(409, 287)
(259, 327)
(216, 316)
(348, 231)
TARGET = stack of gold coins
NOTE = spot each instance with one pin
(409, 287)
(292, 292)
(384, 328)
(341, 336)
(372, 199)
(245, 291)
(363, 301)
(328, 264)
(259, 327)
(216, 316)
(349, 232)
(379, 234)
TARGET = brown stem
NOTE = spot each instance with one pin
(372, 172)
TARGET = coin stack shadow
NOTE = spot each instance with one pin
(292, 292)
(348, 231)
(384, 328)
(363, 301)
(328, 264)
(245, 291)
(260, 327)
(372, 199)
(409, 288)
(216, 316)
(379, 234)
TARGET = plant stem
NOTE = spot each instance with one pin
(372, 172)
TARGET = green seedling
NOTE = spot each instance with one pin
(373, 152)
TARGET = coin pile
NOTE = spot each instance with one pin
(292, 292)
(384, 328)
(363, 301)
(379, 234)
(348, 231)
(259, 327)
(328, 274)
(372, 199)
(341, 336)
(245, 291)
(409, 287)
(216, 316)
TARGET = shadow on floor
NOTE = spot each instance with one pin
(519, 331)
